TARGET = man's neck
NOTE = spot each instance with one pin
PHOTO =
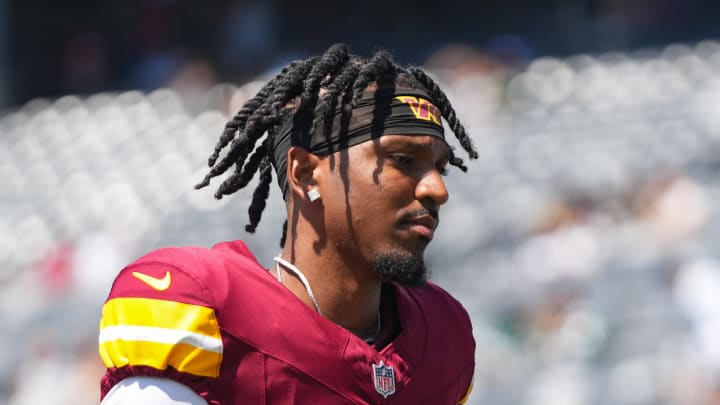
(346, 290)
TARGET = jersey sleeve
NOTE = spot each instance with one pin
(159, 321)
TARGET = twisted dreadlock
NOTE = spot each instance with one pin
(297, 90)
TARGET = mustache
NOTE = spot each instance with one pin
(410, 215)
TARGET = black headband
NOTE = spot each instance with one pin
(383, 112)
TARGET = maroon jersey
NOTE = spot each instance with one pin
(218, 322)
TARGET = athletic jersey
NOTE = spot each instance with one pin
(218, 322)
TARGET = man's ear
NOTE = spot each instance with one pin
(301, 173)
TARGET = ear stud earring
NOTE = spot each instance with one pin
(313, 194)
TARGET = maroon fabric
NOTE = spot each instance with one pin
(278, 350)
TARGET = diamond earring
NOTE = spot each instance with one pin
(313, 194)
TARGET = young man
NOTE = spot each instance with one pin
(346, 316)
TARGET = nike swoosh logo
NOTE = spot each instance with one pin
(160, 284)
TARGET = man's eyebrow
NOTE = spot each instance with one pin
(416, 145)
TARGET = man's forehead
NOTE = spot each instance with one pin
(428, 142)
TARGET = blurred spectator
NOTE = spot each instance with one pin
(247, 37)
(476, 80)
(84, 64)
(672, 207)
(511, 50)
(565, 247)
(195, 76)
(56, 271)
(159, 55)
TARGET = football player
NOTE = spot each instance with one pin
(346, 315)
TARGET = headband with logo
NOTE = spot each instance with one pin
(383, 112)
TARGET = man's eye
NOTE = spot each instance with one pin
(402, 159)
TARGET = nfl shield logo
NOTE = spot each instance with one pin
(384, 377)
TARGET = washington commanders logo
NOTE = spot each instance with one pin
(421, 108)
(384, 379)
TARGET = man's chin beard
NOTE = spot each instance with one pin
(402, 268)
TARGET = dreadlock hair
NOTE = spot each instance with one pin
(297, 90)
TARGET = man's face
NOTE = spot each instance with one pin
(381, 200)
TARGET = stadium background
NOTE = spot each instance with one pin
(584, 241)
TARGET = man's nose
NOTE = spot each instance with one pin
(432, 187)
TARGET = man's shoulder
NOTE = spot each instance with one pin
(189, 274)
(439, 309)
(447, 346)
(432, 297)
(166, 312)
(194, 257)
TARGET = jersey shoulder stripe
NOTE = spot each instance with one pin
(160, 333)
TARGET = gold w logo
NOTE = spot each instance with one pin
(421, 108)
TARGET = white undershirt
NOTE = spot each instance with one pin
(151, 390)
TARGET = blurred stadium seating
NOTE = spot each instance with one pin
(583, 242)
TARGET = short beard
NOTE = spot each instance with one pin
(405, 269)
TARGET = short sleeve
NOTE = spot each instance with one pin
(159, 317)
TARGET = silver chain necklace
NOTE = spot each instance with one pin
(291, 267)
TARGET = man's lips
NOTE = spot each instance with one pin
(423, 224)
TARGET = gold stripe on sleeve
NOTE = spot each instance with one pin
(160, 333)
